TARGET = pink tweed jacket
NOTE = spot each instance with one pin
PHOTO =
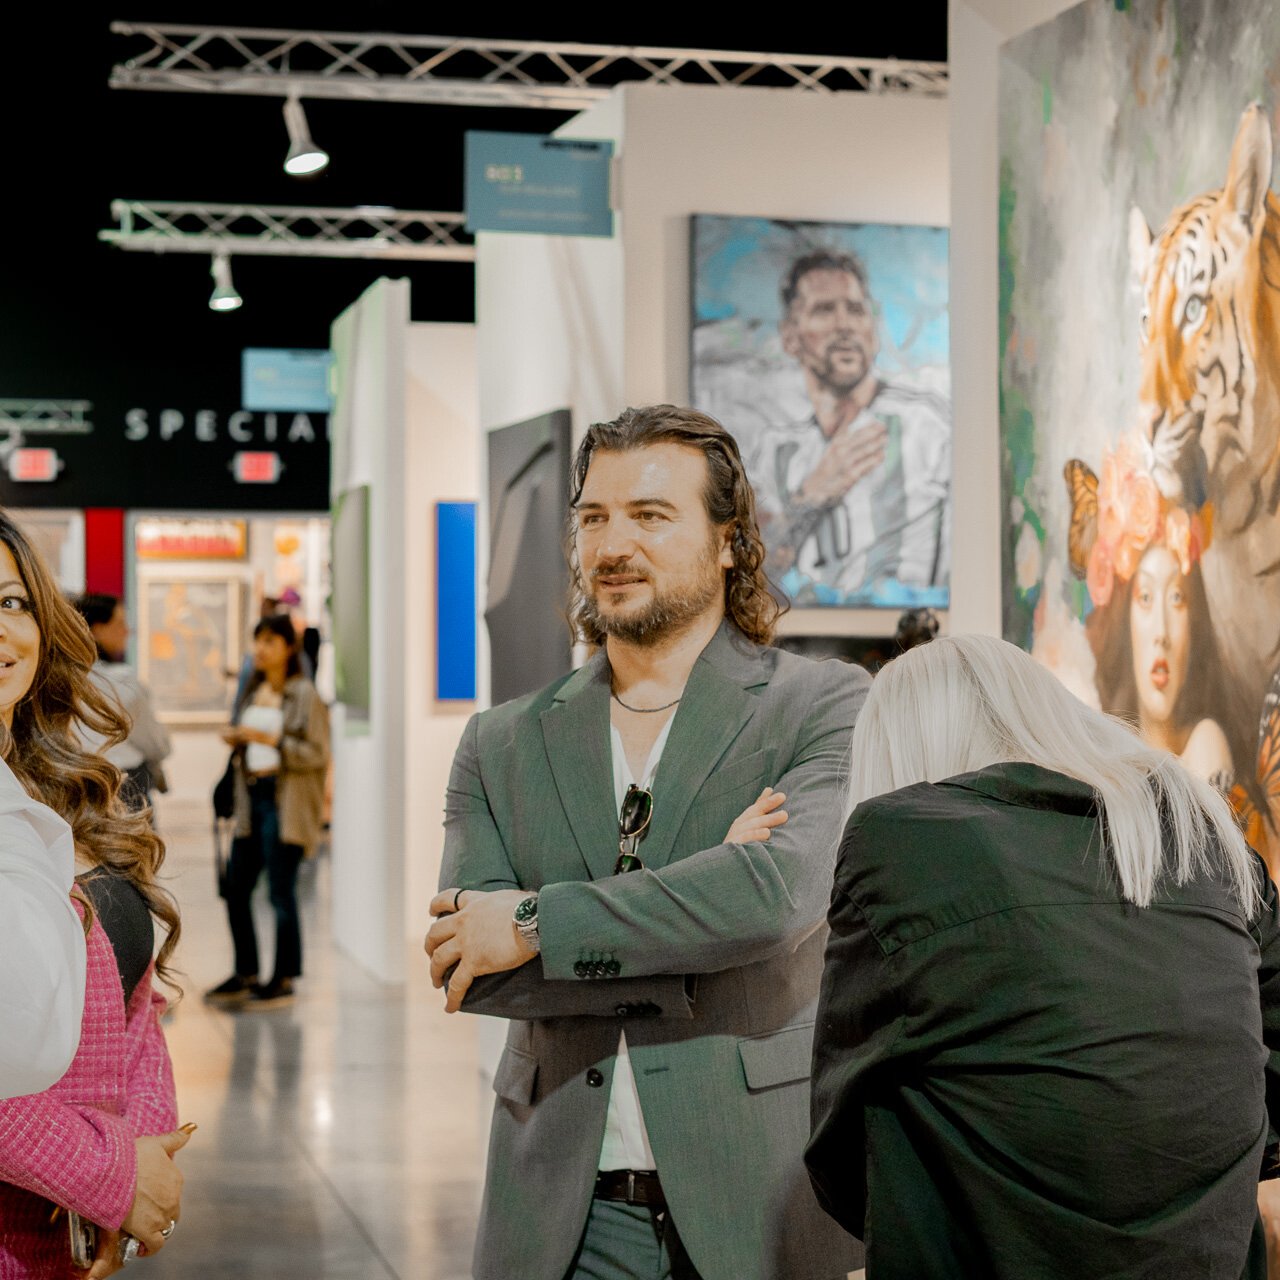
(72, 1145)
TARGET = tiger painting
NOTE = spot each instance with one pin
(1210, 404)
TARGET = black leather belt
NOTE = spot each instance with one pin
(630, 1186)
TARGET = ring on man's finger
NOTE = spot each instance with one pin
(456, 896)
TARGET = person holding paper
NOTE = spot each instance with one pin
(281, 739)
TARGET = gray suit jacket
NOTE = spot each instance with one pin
(709, 958)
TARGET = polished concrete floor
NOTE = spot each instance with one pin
(340, 1136)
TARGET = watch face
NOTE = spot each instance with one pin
(526, 911)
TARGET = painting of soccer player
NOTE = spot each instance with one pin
(826, 346)
(856, 493)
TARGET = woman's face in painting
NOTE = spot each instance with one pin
(1160, 633)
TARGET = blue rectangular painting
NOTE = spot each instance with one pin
(824, 348)
(455, 601)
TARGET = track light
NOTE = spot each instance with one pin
(224, 296)
(304, 156)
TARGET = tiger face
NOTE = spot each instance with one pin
(1210, 286)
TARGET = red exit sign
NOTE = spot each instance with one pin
(39, 465)
(256, 467)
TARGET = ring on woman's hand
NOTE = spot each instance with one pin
(168, 1231)
(129, 1246)
(456, 896)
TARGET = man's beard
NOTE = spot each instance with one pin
(666, 614)
(840, 378)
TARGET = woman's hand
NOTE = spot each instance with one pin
(106, 1259)
(157, 1196)
(757, 821)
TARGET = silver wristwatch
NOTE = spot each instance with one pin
(525, 919)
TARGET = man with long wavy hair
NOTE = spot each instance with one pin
(621, 883)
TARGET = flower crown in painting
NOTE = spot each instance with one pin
(1117, 518)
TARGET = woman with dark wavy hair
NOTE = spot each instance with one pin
(99, 1143)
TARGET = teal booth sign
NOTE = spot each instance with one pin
(533, 183)
(286, 379)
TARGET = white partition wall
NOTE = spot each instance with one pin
(405, 425)
(596, 325)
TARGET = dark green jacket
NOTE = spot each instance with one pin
(1016, 1073)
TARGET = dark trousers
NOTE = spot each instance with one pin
(250, 855)
(630, 1242)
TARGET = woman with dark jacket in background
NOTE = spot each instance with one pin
(280, 741)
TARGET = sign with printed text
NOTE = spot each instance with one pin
(286, 379)
(162, 539)
(527, 182)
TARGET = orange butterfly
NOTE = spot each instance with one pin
(1082, 488)
(1259, 824)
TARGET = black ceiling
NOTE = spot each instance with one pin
(83, 320)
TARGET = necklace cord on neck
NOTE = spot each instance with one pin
(644, 711)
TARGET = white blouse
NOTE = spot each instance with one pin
(42, 947)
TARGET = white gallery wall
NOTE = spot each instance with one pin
(597, 325)
(977, 29)
(405, 424)
(549, 312)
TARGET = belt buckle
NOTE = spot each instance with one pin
(631, 1186)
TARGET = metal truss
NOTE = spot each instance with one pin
(46, 417)
(288, 231)
(475, 72)
(20, 418)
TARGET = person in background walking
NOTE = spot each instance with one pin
(141, 755)
(280, 736)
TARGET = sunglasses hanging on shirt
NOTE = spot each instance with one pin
(633, 822)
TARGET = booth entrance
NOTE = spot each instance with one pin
(195, 589)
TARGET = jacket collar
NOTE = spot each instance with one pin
(1029, 785)
(713, 709)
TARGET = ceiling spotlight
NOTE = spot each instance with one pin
(224, 296)
(304, 156)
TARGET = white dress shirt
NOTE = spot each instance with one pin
(626, 1141)
(42, 948)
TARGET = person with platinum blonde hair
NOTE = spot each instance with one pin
(1051, 992)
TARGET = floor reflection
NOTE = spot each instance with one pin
(340, 1136)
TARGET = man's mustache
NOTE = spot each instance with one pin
(618, 567)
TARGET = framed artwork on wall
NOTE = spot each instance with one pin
(349, 604)
(823, 347)
(188, 642)
(528, 588)
(1140, 375)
